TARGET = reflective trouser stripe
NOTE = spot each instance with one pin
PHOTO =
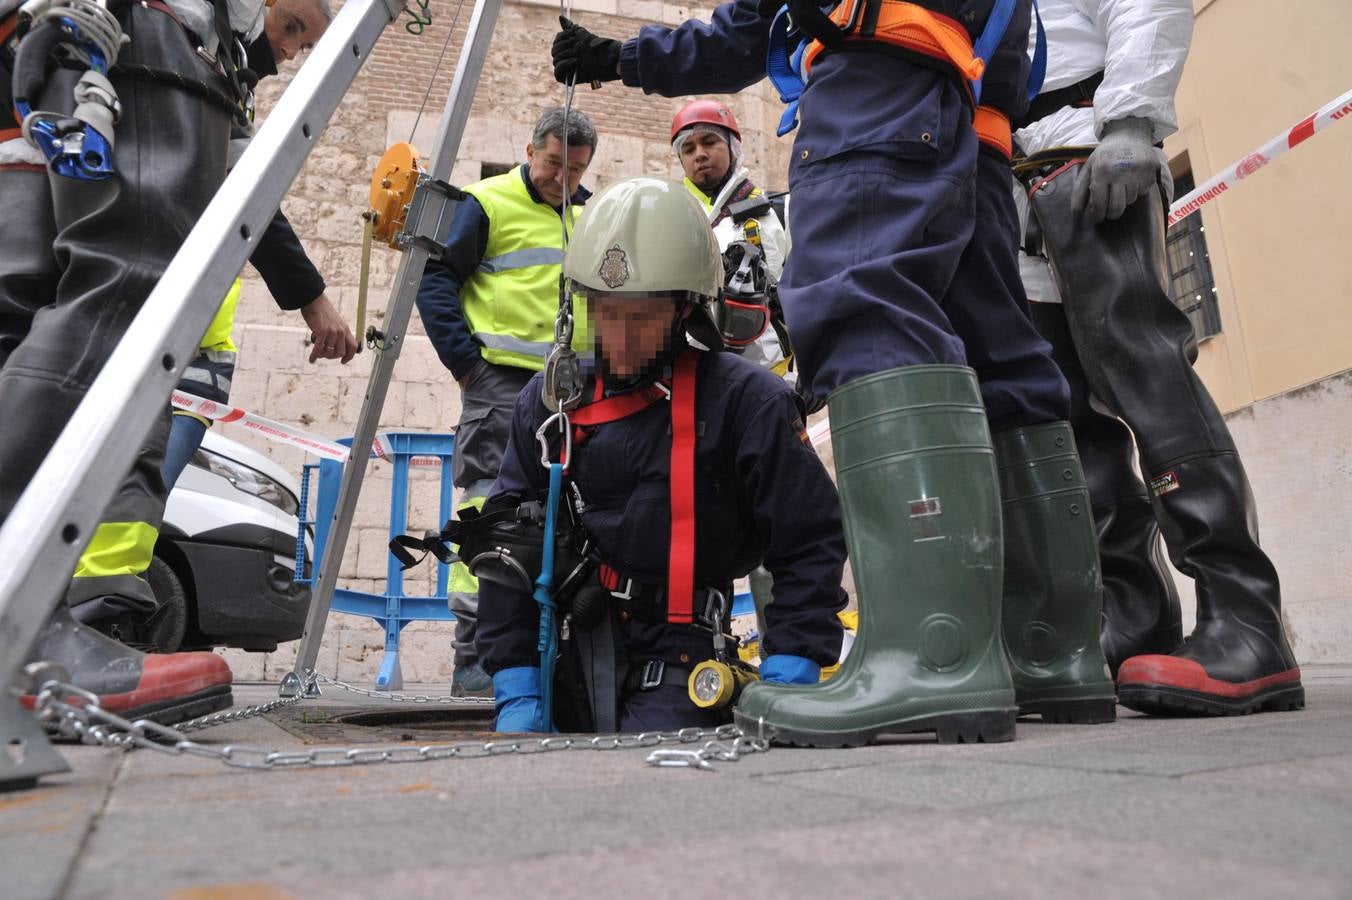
(118, 549)
(461, 582)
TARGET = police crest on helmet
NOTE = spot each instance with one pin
(614, 269)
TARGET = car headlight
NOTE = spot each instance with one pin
(250, 481)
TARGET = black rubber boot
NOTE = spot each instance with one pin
(166, 688)
(1141, 612)
(1237, 660)
(1052, 591)
(1137, 350)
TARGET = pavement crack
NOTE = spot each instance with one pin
(94, 821)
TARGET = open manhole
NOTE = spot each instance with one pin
(362, 724)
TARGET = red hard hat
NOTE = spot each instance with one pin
(708, 112)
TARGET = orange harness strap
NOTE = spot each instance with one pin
(992, 129)
(911, 27)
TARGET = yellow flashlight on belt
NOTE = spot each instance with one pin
(715, 685)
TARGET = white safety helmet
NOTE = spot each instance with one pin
(648, 237)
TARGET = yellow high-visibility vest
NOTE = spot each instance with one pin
(511, 300)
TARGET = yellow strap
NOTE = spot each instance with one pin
(362, 280)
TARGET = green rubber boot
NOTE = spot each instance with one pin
(1053, 593)
(922, 521)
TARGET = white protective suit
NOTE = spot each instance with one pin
(1140, 47)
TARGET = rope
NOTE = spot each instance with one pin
(446, 43)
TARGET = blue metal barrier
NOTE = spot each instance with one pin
(393, 609)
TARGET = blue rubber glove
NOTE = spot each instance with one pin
(516, 694)
(784, 668)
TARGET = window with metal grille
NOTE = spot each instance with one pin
(1191, 284)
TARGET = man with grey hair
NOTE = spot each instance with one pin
(488, 305)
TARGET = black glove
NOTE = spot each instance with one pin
(581, 56)
(1122, 167)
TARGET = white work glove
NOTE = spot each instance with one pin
(1124, 165)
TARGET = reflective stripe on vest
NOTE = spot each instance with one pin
(512, 298)
(521, 259)
(509, 344)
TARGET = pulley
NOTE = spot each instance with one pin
(392, 186)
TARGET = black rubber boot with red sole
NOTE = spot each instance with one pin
(165, 688)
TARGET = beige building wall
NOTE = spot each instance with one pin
(1279, 245)
(1279, 240)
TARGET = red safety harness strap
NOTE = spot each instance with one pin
(681, 562)
(611, 409)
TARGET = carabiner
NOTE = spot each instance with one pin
(671, 756)
(543, 438)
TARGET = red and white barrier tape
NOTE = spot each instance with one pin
(1326, 115)
(273, 430)
(381, 447)
(820, 433)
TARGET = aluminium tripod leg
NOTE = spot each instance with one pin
(428, 217)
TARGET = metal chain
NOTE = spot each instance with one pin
(238, 715)
(76, 713)
(403, 698)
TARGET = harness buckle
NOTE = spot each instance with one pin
(625, 590)
(653, 670)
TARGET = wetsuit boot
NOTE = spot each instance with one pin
(1052, 591)
(1141, 612)
(917, 481)
(1237, 660)
(1137, 349)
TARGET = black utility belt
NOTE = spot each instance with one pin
(648, 602)
(1081, 93)
(651, 674)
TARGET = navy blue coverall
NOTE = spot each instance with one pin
(761, 493)
(904, 232)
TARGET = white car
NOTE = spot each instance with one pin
(225, 561)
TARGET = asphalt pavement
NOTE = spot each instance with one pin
(1253, 806)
